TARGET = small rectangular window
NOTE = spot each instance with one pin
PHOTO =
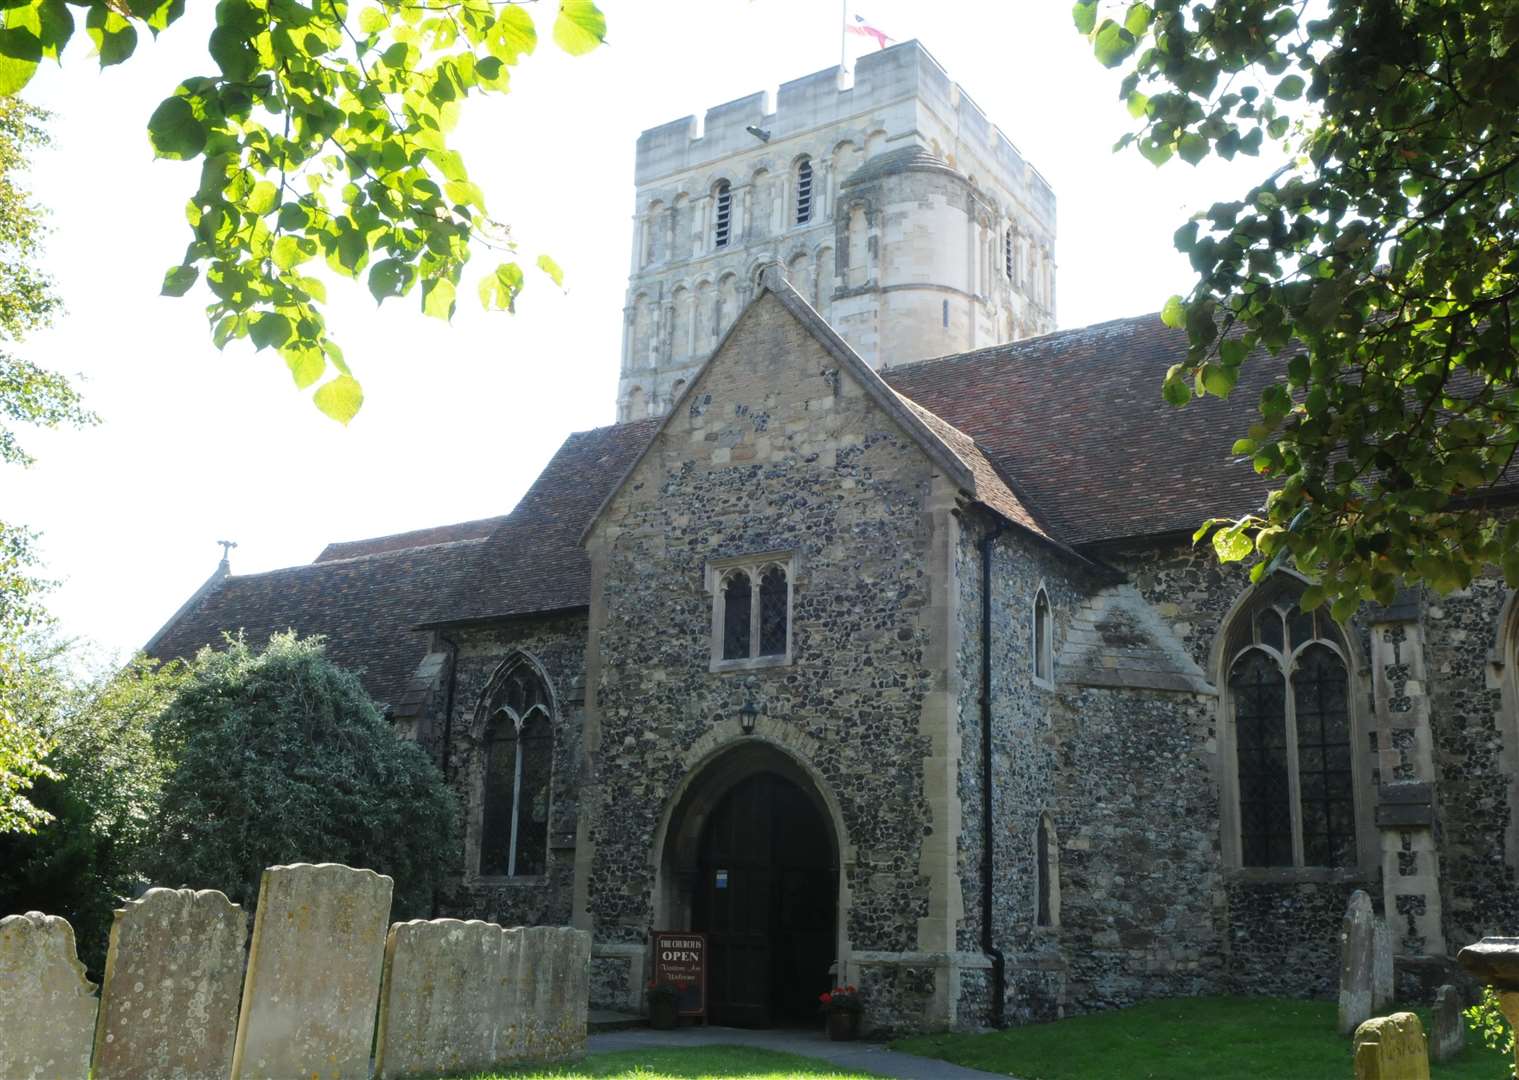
(946, 314)
(751, 611)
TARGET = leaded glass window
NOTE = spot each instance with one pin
(773, 612)
(751, 614)
(519, 756)
(737, 599)
(1260, 746)
(1293, 741)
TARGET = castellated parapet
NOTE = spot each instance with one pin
(896, 207)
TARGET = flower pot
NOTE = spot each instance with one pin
(662, 1013)
(844, 1025)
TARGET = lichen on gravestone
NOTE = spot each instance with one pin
(47, 1006)
(1447, 1035)
(1357, 962)
(1391, 1048)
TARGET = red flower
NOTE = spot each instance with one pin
(850, 989)
(825, 997)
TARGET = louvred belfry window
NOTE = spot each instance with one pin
(804, 192)
(1293, 742)
(723, 215)
(519, 761)
(751, 617)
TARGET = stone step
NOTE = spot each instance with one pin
(599, 1020)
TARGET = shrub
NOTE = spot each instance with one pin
(281, 757)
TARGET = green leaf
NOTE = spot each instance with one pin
(512, 36)
(114, 36)
(174, 131)
(340, 398)
(1290, 88)
(580, 27)
(1231, 545)
(499, 290)
(373, 20)
(178, 280)
(1192, 148)
(1174, 314)
(1112, 44)
(551, 268)
(263, 198)
(389, 277)
(438, 298)
(20, 49)
(1138, 104)
(269, 330)
(1218, 380)
(1138, 20)
(1084, 14)
(306, 364)
(289, 253)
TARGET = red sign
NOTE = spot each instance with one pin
(680, 959)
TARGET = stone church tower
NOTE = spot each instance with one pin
(905, 217)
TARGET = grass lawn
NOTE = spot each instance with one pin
(1185, 1039)
(693, 1063)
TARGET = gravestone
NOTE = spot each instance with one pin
(450, 1000)
(1382, 971)
(173, 972)
(1391, 1048)
(313, 978)
(564, 1031)
(1356, 962)
(1447, 1035)
(47, 1006)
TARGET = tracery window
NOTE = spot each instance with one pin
(722, 218)
(1290, 707)
(519, 756)
(751, 615)
(1044, 659)
(804, 191)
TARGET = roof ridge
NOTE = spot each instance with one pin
(388, 552)
(1037, 339)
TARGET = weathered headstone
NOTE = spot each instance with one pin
(1447, 1035)
(173, 973)
(1382, 971)
(534, 990)
(1356, 962)
(47, 1006)
(313, 977)
(449, 1003)
(564, 1032)
(1391, 1048)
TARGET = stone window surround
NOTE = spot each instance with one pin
(475, 789)
(716, 571)
(1367, 859)
(1046, 646)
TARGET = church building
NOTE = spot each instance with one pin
(871, 641)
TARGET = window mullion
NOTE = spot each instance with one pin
(756, 604)
(1294, 781)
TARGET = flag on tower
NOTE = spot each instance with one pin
(859, 26)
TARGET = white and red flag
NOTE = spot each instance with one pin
(857, 25)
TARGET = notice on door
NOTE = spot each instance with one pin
(680, 959)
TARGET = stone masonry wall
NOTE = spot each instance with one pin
(557, 643)
(777, 450)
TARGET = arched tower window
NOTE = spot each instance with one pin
(1047, 873)
(722, 216)
(1044, 657)
(519, 757)
(804, 191)
(1289, 709)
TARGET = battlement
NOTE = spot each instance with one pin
(901, 74)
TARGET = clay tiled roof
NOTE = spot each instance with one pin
(439, 534)
(1076, 420)
(533, 561)
(365, 606)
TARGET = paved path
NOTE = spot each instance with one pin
(862, 1056)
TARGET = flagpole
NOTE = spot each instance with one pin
(843, 37)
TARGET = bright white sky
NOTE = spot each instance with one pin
(198, 446)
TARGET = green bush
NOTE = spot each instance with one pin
(280, 757)
(101, 791)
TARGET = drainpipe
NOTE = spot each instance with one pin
(988, 850)
(448, 724)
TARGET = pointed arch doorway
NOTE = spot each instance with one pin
(751, 860)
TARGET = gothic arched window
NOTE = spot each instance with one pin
(804, 191)
(751, 613)
(519, 759)
(722, 214)
(1007, 253)
(1289, 704)
(1044, 658)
